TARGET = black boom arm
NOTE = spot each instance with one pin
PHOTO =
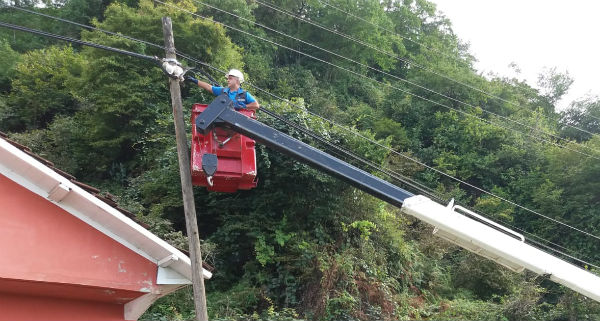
(220, 113)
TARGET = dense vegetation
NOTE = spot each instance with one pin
(304, 245)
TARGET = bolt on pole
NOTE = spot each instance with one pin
(186, 181)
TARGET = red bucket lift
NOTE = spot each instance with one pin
(236, 157)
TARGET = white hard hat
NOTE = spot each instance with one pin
(236, 73)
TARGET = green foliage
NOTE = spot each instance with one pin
(555, 84)
(364, 227)
(581, 119)
(176, 306)
(43, 87)
(464, 309)
(304, 245)
(7, 65)
(264, 252)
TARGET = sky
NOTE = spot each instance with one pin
(534, 34)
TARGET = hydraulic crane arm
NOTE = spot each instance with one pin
(218, 113)
(453, 223)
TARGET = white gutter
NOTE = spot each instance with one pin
(43, 181)
(506, 248)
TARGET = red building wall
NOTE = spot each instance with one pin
(52, 262)
(17, 307)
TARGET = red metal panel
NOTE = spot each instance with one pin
(236, 155)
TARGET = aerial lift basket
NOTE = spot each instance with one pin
(234, 167)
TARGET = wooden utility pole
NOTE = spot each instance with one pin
(189, 207)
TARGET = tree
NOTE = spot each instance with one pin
(43, 87)
(582, 120)
(123, 95)
(7, 65)
(555, 84)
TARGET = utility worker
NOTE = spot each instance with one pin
(241, 98)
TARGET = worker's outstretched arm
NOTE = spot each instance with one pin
(200, 83)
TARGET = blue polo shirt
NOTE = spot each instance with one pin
(219, 90)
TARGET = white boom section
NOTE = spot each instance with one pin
(505, 247)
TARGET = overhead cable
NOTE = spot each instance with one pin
(327, 3)
(392, 55)
(77, 41)
(432, 194)
(347, 153)
(466, 183)
(377, 81)
(396, 176)
(415, 160)
(84, 26)
(394, 76)
(207, 65)
(423, 164)
(422, 188)
(273, 30)
(120, 35)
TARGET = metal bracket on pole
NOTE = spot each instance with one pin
(172, 68)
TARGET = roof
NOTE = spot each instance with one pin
(100, 211)
(105, 197)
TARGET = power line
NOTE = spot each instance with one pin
(468, 184)
(146, 57)
(431, 193)
(84, 26)
(327, 3)
(396, 176)
(394, 76)
(393, 55)
(421, 163)
(77, 41)
(120, 35)
(400, 154)
(412, 159)
(312, 134)
(297, 39)
(378, 81)
(185, 56)
(346, 152)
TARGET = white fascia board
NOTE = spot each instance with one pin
(167, 275)
(498, 246)
(43, 181)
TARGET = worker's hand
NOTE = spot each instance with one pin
(191, 79)
(239, 105)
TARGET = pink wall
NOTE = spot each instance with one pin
(74, 271)
(66, 291)
(40, 241)
(25, 307)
